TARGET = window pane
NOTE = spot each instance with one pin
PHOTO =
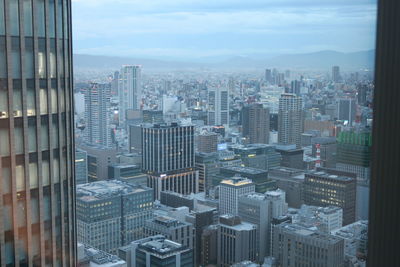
(52, 22)
(14, 17)
(20, 177)
(43, 100)
(18, 139)
(4, 140)
(32, 136)
(2, 19)
(44, 137)
(3, 66)
(15, 58)
(29, 68)
(28, 17)
(33, 177)
(40, 18)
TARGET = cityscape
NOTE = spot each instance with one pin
(118, 161)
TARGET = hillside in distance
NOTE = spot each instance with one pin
(322, 60)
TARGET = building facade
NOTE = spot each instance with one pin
(218, 106)
(112, 213)
(255, 123)
(36, 134)
(229, 192)
(129, 90)
(81, 170)
(290, 120)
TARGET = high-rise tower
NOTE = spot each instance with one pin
(255, 122)
(218, 106)
(129, 89)
(36, 134)
(290, 120)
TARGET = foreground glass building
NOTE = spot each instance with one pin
(36, 134)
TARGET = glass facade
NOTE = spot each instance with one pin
(36, 134)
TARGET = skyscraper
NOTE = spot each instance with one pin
(335, 74)
(230, 191)
(168, 158)
(346, 108)
(218, 106)
(97, 107)
(81, 169)
(268, 75)
(255, 123)
(290, 119)
(130, 89)
(36, 134)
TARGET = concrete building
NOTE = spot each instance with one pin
(290, 120)
(207, 166)
(258, 176)
(294, 244)
(36, 135)
(129, 90)
(97, 117)
(328, 150)
(260, 156)
(152, 116)
(135, 138)
(324, 189)
(89, 256)
(291, 181)
(81, 168)
(157, 251)
(255, 124)
(229, 192)
(291, 157)
(206, 142)
(336, 74)
(347, 109)
(168, 158)
(176, 230)
(326, 219)
(218, 106)
(237, 241)
(209, 246)
(112, 213)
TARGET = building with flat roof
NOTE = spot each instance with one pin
(120, 208)
(324, 189)
(294, 244)
(255, 122)
(237, 241)
(325, 219)
(258, 176)
(207, 165)
(89, 256)
(229, 192)
(206, 142)
(157, 250)
(260, 156)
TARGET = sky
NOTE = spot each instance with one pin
(201, 29)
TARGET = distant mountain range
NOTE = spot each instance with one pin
(322, 60)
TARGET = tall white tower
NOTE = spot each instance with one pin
(129, 89)
(290, 119)
(218, 106)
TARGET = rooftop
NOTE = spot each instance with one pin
(159, 246)
(247, 170)
(105, 189)
(91, 256)
(237, 181)
(311, 232)
(329, 176)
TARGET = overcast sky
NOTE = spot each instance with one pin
(187, 29)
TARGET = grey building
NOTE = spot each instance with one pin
(328, 150)
(168, 158)
(208, 167)
(260, 156)
(290, 120)
(206, 142)
(336, 74)
(157, 251)
(81, 169)
(229, 192)
(255, 123)
(129, 90)
(173, 229)
(324, 189)
(153, 116)
(176, 200)
(291, 157)
(209, 246)
(135, 139)
(36, 134)
(218, 106)
(112, 213)
(123, 171)
(90, 256)
(295, 245)
(97, 117)
(291, 181)
(346, 108)
(237, 241)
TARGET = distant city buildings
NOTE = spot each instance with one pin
(336, 74)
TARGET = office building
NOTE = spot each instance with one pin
(124, 171)
(178, 231)
(209, 246)
(157, 251)
(97, 117)
(290, 181)
(206, 142)
(295, 87)
(295, 245)
(268, 76)
(255, 124)
(36, 135)
(229, 192)
(218, 106)
(328, 150)
(168, 158)
(89, 256)
(119, 209)
(207, 166)
(81, 170)
(324, 189)
(325, 219)
(290, 120)
(135, 138)
(98, 159)
(129, 90)
(346, 110)
(152, 116)
(336, 74)
(291, 157)
(260, 156)
(258, 176)
(354, 153)
(237, 241)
